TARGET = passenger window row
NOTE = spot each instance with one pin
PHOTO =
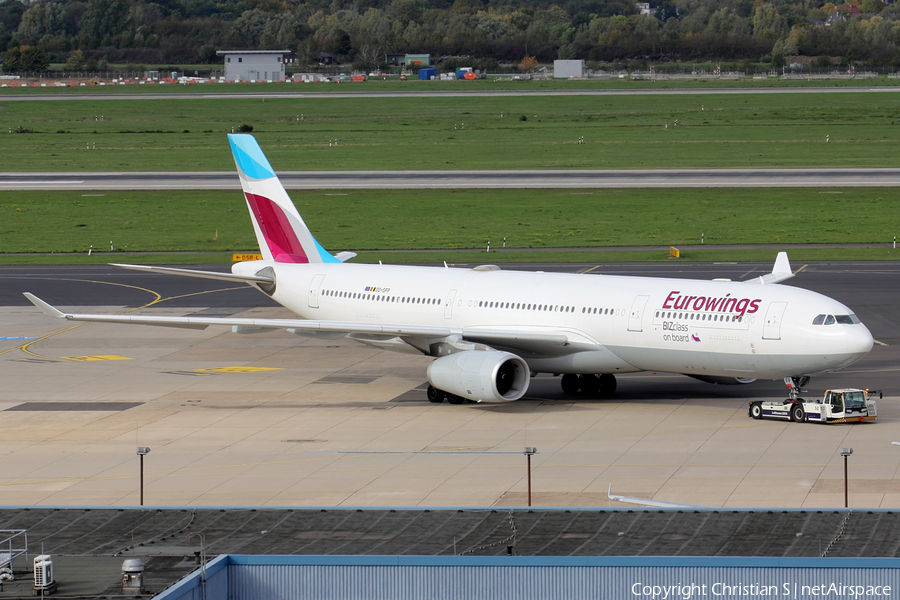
(523, 306)
(696, 316)
(380, 298)
(597, 311)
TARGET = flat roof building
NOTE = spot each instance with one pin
(254, 65)
(471, 553)
(243, 577)
(563, 69)
(407, 60)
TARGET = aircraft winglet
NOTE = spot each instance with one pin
(780, 272)
(45, 308)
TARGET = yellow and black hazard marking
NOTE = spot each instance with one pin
(854, 419)
(223, 370)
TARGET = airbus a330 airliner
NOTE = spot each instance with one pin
(490, 330)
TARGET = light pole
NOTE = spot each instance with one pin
(141, 451)
(529, 450)
(845, 452)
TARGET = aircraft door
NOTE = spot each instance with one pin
(448, 304)
(635, 319)
(314, 287)
(772, 328)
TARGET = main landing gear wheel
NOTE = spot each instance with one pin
(454, 399)
(603, 385)
(590, 384)
(570, 383)
(435, 395)
(798, 415)
(608, 385)
(756, 410)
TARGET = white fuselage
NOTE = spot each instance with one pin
(695, 327)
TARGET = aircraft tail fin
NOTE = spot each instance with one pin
(280, 230)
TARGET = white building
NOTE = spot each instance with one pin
(644, 8)
(568, 68)
(254, 65)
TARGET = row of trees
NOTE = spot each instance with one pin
(85, 32)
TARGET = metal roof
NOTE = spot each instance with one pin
(223, 52)
(487, 531)
(89, 535)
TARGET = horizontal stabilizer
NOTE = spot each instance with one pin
(45, 308)
(200, 274)
(780, 272)
(649, 502)
(344, 256)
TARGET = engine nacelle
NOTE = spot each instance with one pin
(481, 375)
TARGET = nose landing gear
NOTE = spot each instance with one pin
(795, 383)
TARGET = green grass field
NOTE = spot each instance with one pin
(619, 132)
(798, 256)
(378, 220)
(780, 130)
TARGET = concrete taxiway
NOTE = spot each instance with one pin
(279, 420)
(488, 179)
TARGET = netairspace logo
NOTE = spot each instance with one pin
(833, 591)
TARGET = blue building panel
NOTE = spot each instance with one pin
(525, 578)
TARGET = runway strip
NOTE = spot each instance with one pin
(410, 92)
(646, 178)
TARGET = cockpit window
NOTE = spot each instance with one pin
(847, 319)
(850, 319)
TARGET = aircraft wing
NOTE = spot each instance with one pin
(248, 324)
(537, 343)
(530, 344)
(780, 272)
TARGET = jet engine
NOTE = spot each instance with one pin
(724, 380)
(481, 375)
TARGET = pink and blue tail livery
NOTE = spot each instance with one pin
(280, 230)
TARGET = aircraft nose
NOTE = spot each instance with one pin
(855, 342)
(860, 340)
